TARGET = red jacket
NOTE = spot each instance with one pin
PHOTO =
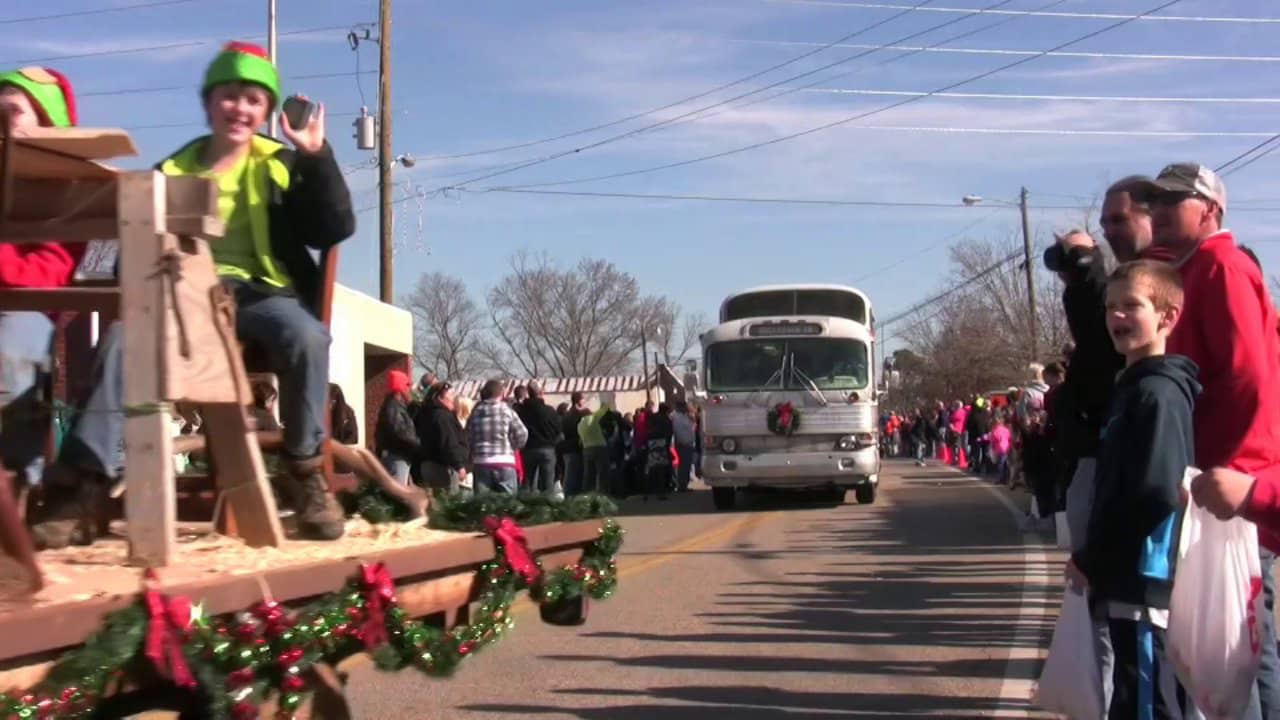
(36, 266)
(1228, 327)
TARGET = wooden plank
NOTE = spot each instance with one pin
(63, 625)
(79, 142)
(445, 593)
(241, 474)
(150, 503)
(70, 299)
(193, 207)
(37, 163)
(202, 354)
(80, 230)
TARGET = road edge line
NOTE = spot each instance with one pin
(1033, 557)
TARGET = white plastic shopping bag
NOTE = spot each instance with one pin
(1214, 638)
(1071, 682)
(1063, 530)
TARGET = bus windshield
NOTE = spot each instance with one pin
(831, 363)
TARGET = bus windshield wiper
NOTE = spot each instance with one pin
(810, 386)
(777, 375)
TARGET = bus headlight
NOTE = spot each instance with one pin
(864, 440)
(846, 442)
(728, 446)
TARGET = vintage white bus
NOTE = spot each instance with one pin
(790, 393)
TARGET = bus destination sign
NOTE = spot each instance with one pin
(778, 329)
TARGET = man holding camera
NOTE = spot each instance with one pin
(1084, 266)
(1081, 406)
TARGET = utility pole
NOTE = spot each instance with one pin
(386, 215)
(644, 362)
(271, 55)
(1034, 315)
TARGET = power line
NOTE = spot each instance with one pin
(731, 199)
(1076, 98)
(96, 11)
(502, 168)
(1070, 54)
(1037, 13)
(1249, 162)
(188, 87)
(871, 50)
(156, 48)
(677, 118)
(1062, 131)
(668, 106)
(928, 248)
(1224, 167)
(954, 289)
(675, 197)
(166, 126)
(858, 116)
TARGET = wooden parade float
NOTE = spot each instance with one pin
(111, 625)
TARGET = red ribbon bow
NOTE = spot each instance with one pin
(166, 629)
(785, 411)
(515, 547)
(379, 596)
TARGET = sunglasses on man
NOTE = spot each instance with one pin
(1170, 199)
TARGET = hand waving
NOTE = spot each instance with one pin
(309, 139)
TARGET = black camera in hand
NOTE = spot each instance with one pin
(1067, 260)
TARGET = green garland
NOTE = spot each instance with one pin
(239, 661)
(465, 511)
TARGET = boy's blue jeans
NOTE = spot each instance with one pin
(297, 347)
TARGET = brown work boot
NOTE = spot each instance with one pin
(319, 515)
(71, 503)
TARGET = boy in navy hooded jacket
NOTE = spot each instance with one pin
(1127, 561)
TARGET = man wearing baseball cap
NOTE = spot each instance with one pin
(1228, 329)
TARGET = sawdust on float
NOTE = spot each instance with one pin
(84, 573)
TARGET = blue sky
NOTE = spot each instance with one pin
(475, 75)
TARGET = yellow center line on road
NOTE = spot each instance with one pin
(658, 557)
(664, 555)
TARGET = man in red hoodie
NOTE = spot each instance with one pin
(1228, 329)
(32, 97)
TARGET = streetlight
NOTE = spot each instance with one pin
(644, 358)
(1032, 311)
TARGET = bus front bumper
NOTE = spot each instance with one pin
(792, 470)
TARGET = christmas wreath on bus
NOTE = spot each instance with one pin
(784, 419)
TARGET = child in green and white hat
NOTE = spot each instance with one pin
(32, 97)
(277, 204)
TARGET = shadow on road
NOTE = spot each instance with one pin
(753, 703)
(927, 588)
(697, 501)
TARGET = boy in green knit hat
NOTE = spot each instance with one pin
(277, 203)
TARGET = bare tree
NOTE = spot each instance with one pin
(979, 338)
(684, 337)
(671, 333)
(567, 323)
(448, 326)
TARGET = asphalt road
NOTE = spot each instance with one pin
(929, 602)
